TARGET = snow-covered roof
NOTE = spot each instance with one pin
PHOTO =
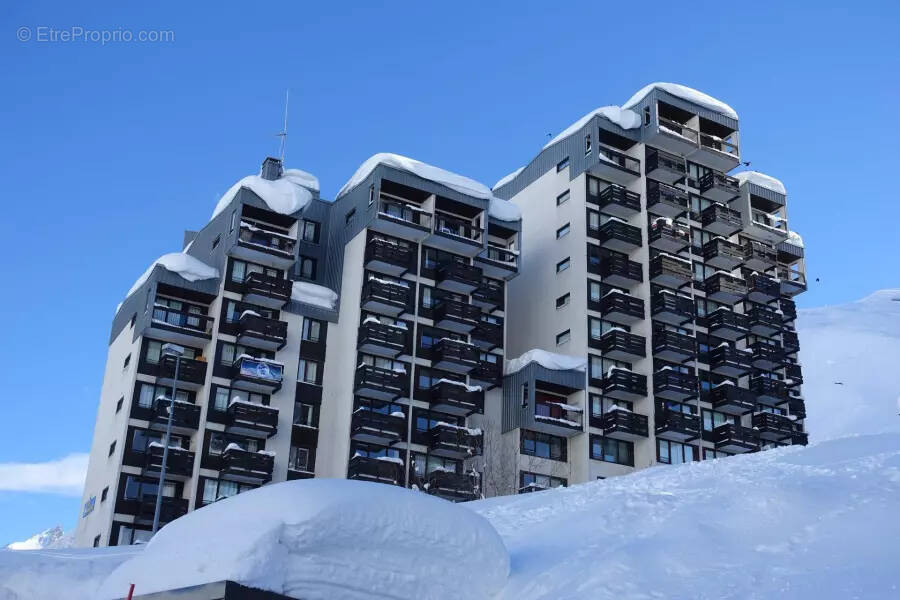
(507, 178)
(461, 184)
(549, 360)
(310, 293)
(181, 264)
(504, 210)
(626, 119)
(762, 180)
(285, 195)
(795, 239)
(685, 93)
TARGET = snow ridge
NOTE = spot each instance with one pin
(762, 180)
(286, 195)
(685, 93)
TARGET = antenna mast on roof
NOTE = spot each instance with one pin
(283, 134)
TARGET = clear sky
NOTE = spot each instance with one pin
(111, 150)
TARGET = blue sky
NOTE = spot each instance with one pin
(111, 151)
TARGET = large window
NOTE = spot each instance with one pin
(154, 352)
(298, 459)
(544, 445)
(305, 414)
(147, 393)
(308, 371)
(222, 397)
(310, 231)
(240, 270)
(529, 482)
(674, 453)
(612, 451)
(218, 441)
(214, 489)
(712, 419)
(312, 329)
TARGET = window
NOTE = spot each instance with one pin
(96, 541)
(311, 329)
(127, 362)
(112, 448)
(427, 300)
(587, 144)
(562, 265)
(298, 459)
(709, 454)
(593, 220)
(612, 451)
(562, 198)
(213, 489)
(544, 445)
(104, 493)
(310, 232)
(601, 405)
(133, 320)
(562, 338)
(371, 195)
(233, 220)
(712, 419)
(562, 164)
(147, 393)
(646, 116)
(216, 241)
(674, 453)
(120, 403)
(348, 218)
(563, 231)
(304, 414)
(529, 482)
(563, 300)
(307, 267)
(308, 371)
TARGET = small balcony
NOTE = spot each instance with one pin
(185, 419)
(735, 438)
(719, 253)
(251, 419)
(722, 153)
(179, 327)
(456, 487)
(665, 200)
(266, 290)
(793, 375)
(726, 324)
(487, 335)
(489, 295)
(617, 344)
(454, 356)
(790, 342)
(264, 247)
(452, 441)
(766, 356)
(675, 137)
(386, 297)
(377, 428)
(676, 426)
(725, 288)
(402, 219)
(191, 372)
(381, 339)
(788, 309)
(616, 270)
(455, 398)
(179, 462)
(719, 187)
(245, 466)
(456, 316)
(458, 277)
(718, 219)
(615, 166)
(674, 385)
(768, 391)
(729, 361)
(380, 384)
(622, 384)
(619, 307)
(261, 332)
(487, 374)
(769, 227)
(617, 235)
(169, 509)
(800, 438)
(670, 271)
(772, 427)
(557, 418)
(663, 166)
(758, 256)
(257, 374)
(456, 235)
(673, 346)
(797, 407)
(667, 236)
(383, 469)
(763, 320)
(392, 258)
(623, 424)
(793, 282)
(617, 201)
(669, 307)
(761, 288)
(497, 262)
(731, 399)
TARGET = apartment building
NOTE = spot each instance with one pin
(672, 279)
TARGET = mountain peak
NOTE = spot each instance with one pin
(54, 537)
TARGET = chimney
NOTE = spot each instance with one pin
(271, 169)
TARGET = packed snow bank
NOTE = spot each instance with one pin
(685, 93)
(53, 538)
(762, 180)
(507, 178)
(549, 360)
(624, 118)
(503, 210)
(461, 184)
(286, 195)
(849, 354)
(179, 263)
(325, 539)
(816, 523)
(56, 574)
(317, 295)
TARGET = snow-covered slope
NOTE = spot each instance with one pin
(49, 539)
(851, 366)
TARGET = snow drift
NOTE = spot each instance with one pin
(286, 195)
(311, 293)
(181, 264)
(685, 93)
(762, 180)
(71, 574)
(549, 360)
(624, 118)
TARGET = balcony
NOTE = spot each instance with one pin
(790, 342)
(487, 374)
(617, 201)
(735, 438)
(179, 462)
(191, 372)
(758, 256)
(719, 187)
(497, 262)
(663, 166)
(266, 290)
(793, 282)
(728, 361)
(185, 419)
(251, 419)
(767, 356)
(719, 253)
(674, 385)
(793, 374)
(622, 384)
(456, 398)
(390, 257)
(453, 441)
(380, 384)
(489, 295)
(799, 438)
(665, 200)
(619, 307)
(257, 374)
(377, 428)
(381, 339)
(725, 288)
(383, 469)
(675, 137)
(772, 427)
(456, 235)
(670, 271)
(623, 424)
(617, 235)
(676, 426)
(673, 346)
(718, 219)
(768, 391)
(169, 509)
(179, 327)
(456, 487)
(264, 247)
(769, 227)
(384, 296)
(788, 309)
(761, 288)
(457, 277)
(487, 335)
(669, 307)
(617, 344)
(557, 417)
(797, 407)
(726, 324)
(615, 270)
(615, 166)
(666, 236)
(454, 356)
(731, 399)
(721, 153)
(456, 316)
(763, 320)
(401, 219)
(261, 332)
(245, 466)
